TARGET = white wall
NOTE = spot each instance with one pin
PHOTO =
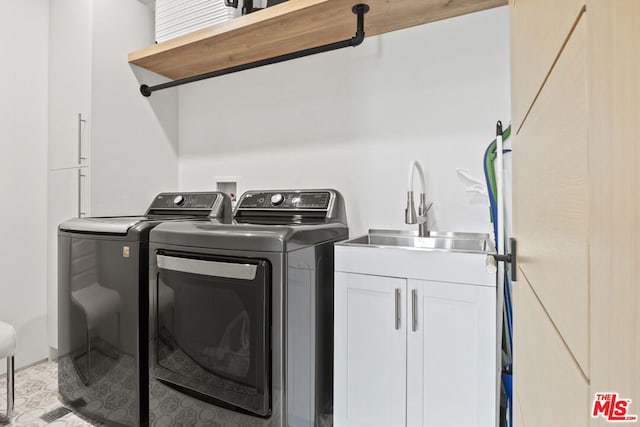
(353, 120)
(24, 31)
(134, 140)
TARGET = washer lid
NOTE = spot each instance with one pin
(108, 225)
(246, 237)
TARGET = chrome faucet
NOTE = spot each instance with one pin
(410, 212)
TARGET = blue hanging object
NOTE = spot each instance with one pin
(506, 416)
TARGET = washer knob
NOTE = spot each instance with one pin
(178, 200)
(277, 199)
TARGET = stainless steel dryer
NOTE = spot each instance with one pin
(103, 306)
(248, 323)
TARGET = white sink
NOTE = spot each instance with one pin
(444, 257)
(451, 241)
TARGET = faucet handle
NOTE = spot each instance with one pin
(424, 206)
(423, 211)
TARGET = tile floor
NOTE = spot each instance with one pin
(36, 393)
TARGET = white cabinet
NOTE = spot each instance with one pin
(69, 82)
(410, 351)
(69, 104)
(69, 145)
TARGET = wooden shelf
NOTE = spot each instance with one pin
(288, 27)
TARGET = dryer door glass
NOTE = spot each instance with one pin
(213, 328)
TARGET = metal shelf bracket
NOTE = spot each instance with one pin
(359, 10)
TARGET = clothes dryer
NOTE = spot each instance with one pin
(249, 329)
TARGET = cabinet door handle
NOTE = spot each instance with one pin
(414, 309)
(397, 308)
(80, 121)
(80, 176)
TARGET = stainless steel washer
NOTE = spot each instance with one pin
(103, 306)
(249, 328)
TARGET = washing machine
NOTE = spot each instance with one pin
(242, 313)
(103, 305)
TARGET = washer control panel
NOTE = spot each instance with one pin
(286, 200)
(184, 201)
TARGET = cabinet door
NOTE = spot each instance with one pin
(451, 355)
(370, 351)
(69, 81)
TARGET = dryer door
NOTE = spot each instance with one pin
(213, 328)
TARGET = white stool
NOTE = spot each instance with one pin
(8, 350)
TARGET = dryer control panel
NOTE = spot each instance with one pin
(286, 200)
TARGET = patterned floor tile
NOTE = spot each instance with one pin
(36, 393)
